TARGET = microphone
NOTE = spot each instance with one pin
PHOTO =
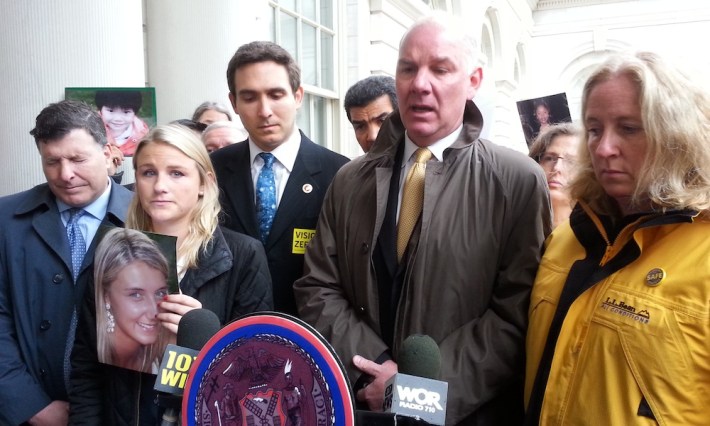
(416, 391)
(195, 328)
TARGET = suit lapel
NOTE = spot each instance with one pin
(239, 191)
(49, 227)
(296, 195)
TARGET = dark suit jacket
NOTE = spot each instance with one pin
(298, 209)
(38, 296)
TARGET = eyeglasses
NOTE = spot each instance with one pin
(551, 160)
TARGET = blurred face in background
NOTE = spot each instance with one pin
(221, 137)
(368, 119)
(559, 161)
(542, 114)
(210, 116)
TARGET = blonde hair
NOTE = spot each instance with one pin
(675, 115)
(204, 217)
(117, 249)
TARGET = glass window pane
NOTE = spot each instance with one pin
(303, 119)
(309, 60)
(327, 61)
(289, 36)
(288, 4)
(326, 13)
(308, 9)
(272, 24)
(320, 118)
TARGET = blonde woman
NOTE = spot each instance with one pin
(619, 329)
(219, 270)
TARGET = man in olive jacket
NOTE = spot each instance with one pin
(466, 273)
(39, 291)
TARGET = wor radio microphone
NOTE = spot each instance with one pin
(415, 392)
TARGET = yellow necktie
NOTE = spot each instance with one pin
(412, 199)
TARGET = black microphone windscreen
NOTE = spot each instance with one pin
(196, 328)
(419, 356)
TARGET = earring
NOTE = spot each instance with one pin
(110, 320)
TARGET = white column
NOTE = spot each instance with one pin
(190, 44)
(46, 46)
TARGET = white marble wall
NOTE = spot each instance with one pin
(46, 46)
(185, 45)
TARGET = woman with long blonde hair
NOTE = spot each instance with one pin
(619, 329)
(219, 270)
(130, 278)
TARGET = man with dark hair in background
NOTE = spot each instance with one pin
(272, 185)
(46, 252)
(367, 104)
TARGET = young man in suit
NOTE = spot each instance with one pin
(272, 185)
(46, 252)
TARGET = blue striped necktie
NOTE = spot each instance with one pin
(266, 196)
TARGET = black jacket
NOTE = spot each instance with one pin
(297, 212)
(232, 280)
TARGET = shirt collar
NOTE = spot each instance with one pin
(285, 153)
(437, 148)
(96, 209)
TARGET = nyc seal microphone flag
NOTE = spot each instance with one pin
(268, 369)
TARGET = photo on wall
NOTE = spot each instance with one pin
(133, 272)
(539, 113)
(127, 112)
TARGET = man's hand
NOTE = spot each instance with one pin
(55, 414)
(115, 159)
(374, 392)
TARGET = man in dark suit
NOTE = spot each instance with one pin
(46, 251)
(272, 185)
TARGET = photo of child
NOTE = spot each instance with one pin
(127, 113)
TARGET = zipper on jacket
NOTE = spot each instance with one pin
(138, 400)
(614, 247)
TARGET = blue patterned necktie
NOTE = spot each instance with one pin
(77, 246)
(266, 196)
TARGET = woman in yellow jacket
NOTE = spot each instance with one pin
(619, 329)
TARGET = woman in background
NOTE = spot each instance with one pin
(619, 329)
(211, 112)
(219, 270)
(130, 276)
(556, 151)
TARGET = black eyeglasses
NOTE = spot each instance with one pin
(551, 160)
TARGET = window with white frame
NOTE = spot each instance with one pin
(306, 28)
